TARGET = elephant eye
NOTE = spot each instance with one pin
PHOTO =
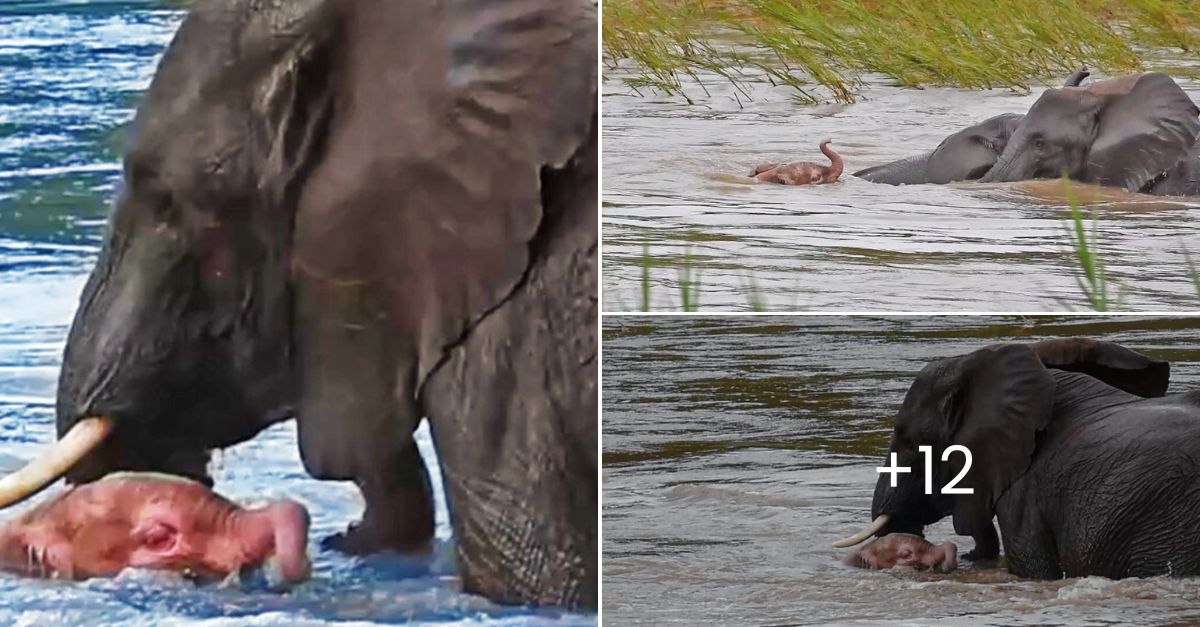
(1039, 143)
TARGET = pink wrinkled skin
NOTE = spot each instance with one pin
(802, 172)
(155, 522)
(903, 549)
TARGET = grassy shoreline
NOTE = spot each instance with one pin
(822, 49)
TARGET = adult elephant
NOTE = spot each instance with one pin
(1087, 467)
(1128, 132)
(359, 214)
(963, 156)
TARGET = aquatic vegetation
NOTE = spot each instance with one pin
(689, 285)
(1094, 280)
(1195, 274)
(823, 48)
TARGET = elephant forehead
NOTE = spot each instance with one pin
(1114, 86)
(1058, 108)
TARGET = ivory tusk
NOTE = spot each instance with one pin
(875, 525)
(86, 435)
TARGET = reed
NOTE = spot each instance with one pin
(1093, 280)
(823, 49)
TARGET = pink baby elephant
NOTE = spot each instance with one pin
(905, 549)
(158, 522)
(802, 172)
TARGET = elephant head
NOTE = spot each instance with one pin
(183, 339)
(963, 156)
(324, 206)
(1124, 132)
(994, 402)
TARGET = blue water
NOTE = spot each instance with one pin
(70, 75)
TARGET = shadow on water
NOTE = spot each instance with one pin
(736, 450)
(674, 184)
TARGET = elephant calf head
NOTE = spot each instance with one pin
(1123, 132)
(994, 402)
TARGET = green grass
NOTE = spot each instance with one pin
(822, 49)
(1093, 280)
(1192, 272)
(689, 284)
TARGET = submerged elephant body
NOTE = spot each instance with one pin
(1085, 465)
(1128, 132)
(359, 214)
(158, 522)
(966, 155)
(1138, 132)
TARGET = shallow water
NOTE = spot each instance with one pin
(674, 186)
(70, 73)
(737, 450)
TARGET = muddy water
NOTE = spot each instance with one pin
(674, 186)
(736, 450)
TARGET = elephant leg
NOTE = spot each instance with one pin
(1029, 546)
(987, 545)
(399, 509)
(513, 413)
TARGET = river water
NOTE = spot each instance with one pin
(737, 450)
(676, 194)
(70, 75)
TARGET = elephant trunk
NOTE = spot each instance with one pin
(907, 171)
(835, 166)
(1015, 163)
(1005, 170)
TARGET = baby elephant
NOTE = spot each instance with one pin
(905, 549)
(802, 172)
(154, 521)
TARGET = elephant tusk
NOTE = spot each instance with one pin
(86, 435)
(875, 525)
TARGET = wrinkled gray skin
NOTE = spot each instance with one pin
(1131, 132)
(905, 550)
(964, 156)
(1085, 464)
(358, 215)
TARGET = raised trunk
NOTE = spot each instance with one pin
(836, 166)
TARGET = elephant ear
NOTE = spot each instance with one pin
(1146, 126)
(426, 209)
(1004, 398)
(1111, 363)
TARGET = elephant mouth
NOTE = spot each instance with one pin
(55, 461)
